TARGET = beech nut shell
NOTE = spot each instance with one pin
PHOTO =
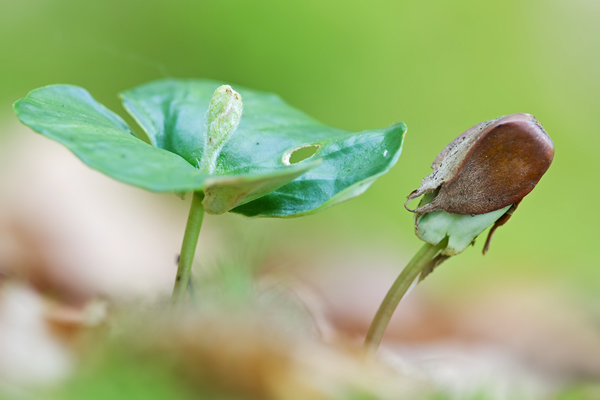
(488, 167)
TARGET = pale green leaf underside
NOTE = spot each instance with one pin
(461, 229)
(250, 166)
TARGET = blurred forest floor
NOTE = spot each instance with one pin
(84, 311)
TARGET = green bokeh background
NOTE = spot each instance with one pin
(440, 66)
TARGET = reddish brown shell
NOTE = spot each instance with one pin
(490, 166)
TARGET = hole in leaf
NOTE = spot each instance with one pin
(300, 154)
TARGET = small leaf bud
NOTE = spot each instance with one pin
(222, 119)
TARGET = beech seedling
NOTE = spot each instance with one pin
(478, 180)
(233, 149)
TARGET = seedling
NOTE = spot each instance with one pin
(478, 180)
(236, 152)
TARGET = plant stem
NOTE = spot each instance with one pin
(188, 247)
(396, 292)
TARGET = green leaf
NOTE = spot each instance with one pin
(253, 162)
(102, 140)
(351, 163)
(269, 131)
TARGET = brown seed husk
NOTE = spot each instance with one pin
(490, 166)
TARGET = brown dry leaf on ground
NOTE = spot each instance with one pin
(269, 363)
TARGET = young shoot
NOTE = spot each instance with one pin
(478, 181)
(202, 142)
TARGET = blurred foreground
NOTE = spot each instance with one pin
(86, 271)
